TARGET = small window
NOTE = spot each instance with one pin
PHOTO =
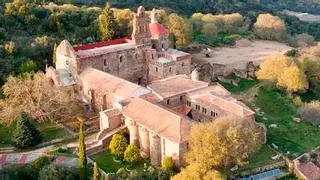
(188, 103)
(162, 46)
(152, 56)
(170, 69)
(120, 59)
(156, 69)
(181, 98)
(182, 64)
(211, 113)
(168, 102)
(187, 145)
(105, 62)
(67, 62)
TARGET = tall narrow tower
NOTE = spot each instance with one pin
(141, 32)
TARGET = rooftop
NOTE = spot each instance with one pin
(157, 29)
(104, 47)
(309, 170)
(175, 85)
(163, 60)
(163, 122)
(218, 97)
(107, 83)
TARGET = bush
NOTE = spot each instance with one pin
(168, 163)
(39, 163)
(17, 172)
(118, 145)
(132, 154)
(52, 172)
(25, 134)
(311, 112)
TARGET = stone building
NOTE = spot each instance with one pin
(141, 84)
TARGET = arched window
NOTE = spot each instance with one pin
(120, 59)
(170, 69)
(105, 62)
(168, 102)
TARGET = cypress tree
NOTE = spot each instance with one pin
(25, 133)
(54, 56)
(108, 26)
(82, 152)
(96, 173)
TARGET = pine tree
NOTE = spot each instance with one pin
(54, 56)
(82, 152)
(25, 134)
(108, 27)
(96, 173)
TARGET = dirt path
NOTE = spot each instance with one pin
(249, 96)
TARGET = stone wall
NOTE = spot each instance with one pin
(127, 64)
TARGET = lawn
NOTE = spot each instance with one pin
(289, 136)
(5, 136)
(105, 161)
(49, 131)
(243, 86)
(259, 159)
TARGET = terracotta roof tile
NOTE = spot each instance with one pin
(157, 28)
(310, 170)
(175, 85)
(109, 84)
(158, 119)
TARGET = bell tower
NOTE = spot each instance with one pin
(141, 32)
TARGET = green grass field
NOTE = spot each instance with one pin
(289, 136)
(49, 131)
(244, 85)
(105, 161)
(259, 159)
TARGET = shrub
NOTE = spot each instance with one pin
(118, 145)
(51, 172)
(17, 172)
(168, 163)
(39, 163)
(132, 154)
(25, 133)
(311, 112)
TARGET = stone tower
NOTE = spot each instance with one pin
(141, 32)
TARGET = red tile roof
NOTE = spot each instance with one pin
(310, 170)
(102, 44)
(157, 28)
(158, 119)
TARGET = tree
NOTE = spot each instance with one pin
(222, 143)
(293, 79)
(132, 154)
(108, 26)
(118, 145)
(96, 173)
(179, 29)
(311, 67)
(54, 55)
(124, 18)
(82, 152)
(270, 27)
(305, 40)
(197, 171)
(168, 163)
(209, 30)
(52, 172)
(272, 68)
(25, 133)
(39, 98)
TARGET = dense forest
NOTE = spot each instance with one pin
(30, 28)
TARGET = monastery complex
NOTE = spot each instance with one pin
(141, 84)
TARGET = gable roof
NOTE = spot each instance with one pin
(158, 119)
(104, 82)
(66, 49)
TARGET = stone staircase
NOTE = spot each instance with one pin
(94, 146)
